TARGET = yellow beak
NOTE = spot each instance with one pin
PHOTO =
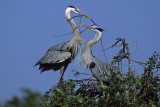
(89, 27)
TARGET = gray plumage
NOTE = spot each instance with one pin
(59, 56)
(100, 70)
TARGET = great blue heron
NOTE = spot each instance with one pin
(100, 70)
(59, 56)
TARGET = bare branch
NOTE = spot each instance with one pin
(80, 72)
(129, 57)
(119, 58)
(123, 53)
(141, 63)
(83, 80)
(103, 50)
(110, 46)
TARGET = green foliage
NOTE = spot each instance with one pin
(30, 99)
(121, 90)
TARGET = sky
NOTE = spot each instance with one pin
(27, 28)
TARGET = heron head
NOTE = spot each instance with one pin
(93, 28)
(76, 10)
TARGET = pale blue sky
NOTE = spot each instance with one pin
(27, 27)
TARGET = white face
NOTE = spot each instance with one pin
(77, 9)
(74, 9)
(95, 30)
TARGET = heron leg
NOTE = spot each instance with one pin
(61, 74)
(62, 70)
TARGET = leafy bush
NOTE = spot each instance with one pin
(126, 89)
(121, 90)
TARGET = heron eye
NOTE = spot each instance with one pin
(76, 9)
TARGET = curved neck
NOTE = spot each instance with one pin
(88, 46)
(76, 34)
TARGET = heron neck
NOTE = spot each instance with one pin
(76, 34)
(88, 46)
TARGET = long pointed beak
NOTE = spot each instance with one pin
(89, 27)
(82, 14)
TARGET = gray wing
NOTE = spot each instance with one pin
(101, 70)
(65, 46)
(54, 57)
